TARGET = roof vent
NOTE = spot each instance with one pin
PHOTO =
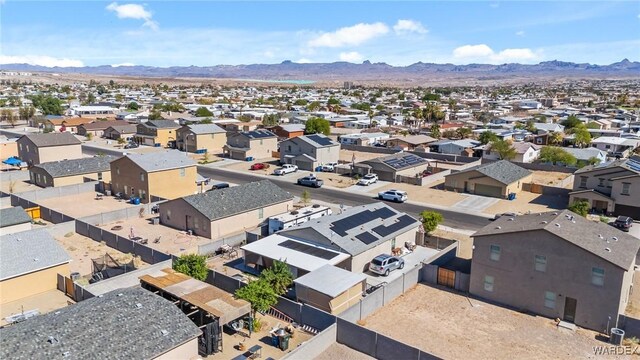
(498, 227)
(120, 294)
(138, 305)
(555, 213)
(511, 219)
(66, 354)
(544, 222)
(557, 225)
(600, 236)
(52, 340)
(614, 238)
(57, 312)
(164, 332)
(607, 249)
(36, 259)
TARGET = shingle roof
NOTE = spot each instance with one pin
(13, 216)
(317, 140)
(168, 124)
(126, 128)
(52, 139)
(161, 160)
(130, 323)
(576, 230)
(205, 129)
(503, 171)
(101, 125)
(29, 251)
(77, 166)
(234, 200)
(258, 134)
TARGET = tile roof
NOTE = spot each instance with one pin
(29, 251)
(222, 203)
(13, 216)
(52, 139)
(77, 166)
(592, 236)
(70, 121)
(161, 160)
(503, 171)
(130, 323)
(205, 128)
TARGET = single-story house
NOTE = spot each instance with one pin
(410, 142)
(583, 155)
(66, 124)
(13, 220)
(97, 128)
(363, 139)
(389, 167)
(496, 179)
(454, 147)
(40, 148)
(330, 288)
(115, 132)
(526, 152)
(219, 213)
(69, 172)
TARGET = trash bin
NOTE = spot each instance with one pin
(616, 336)
(135, 200)
(249, 158)
(75, 276)
(284, 342)
(274, 340)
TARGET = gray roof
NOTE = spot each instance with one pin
(258, 134)
(29, 251)
(52, 139)
(503, 171)
(222, 203)
(205, 128)
(161, 124)
(576, 230)
(416, 139)
(316, 140)
(378, 222)
(13, 216)
(124, 324)
(101, 125)
(126, 128)
(292, 127)
(584, 153)
(77, 166)
(161, 160)
(330, 280)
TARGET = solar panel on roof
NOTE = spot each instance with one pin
(323, 141)
(341, 226)
(367, 237)
(404, 161)
(259, 134)
(308, 249)
(403, 221)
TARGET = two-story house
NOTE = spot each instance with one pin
(309, 151)
(556, 264)
(40, 148)
(257, 144)
(157, 133)
(611, 188)
(165, 174)
(208, 138)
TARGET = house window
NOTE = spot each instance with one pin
(583, 181)
(20, 145)
(288, 147)
(183, 172)
(488, 283)
(597, 276)
(168, 214)
(550, 299)
(99, 176)
(494, 253)
(601, 181)
(196, 223)
(625, 188)
(118, 170)
(27, 148)
(260, 213)
(141, 176)
(541, 263)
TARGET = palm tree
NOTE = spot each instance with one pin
(452, 108)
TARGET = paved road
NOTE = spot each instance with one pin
(453, 219)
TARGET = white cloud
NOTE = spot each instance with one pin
(483, 53)
(304, 61)
(350, 36)
(47, 61)
(409, 26)
(520, 33)
(123, 64)
(133, 11)
(352, 56)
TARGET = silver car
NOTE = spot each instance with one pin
(384, 264)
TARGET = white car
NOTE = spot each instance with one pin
(368, 179)
(329, 167)
(285, 169)
(393, 195)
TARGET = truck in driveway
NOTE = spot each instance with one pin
(310, 180)
(285, 169)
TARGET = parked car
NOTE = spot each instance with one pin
(393, 195)
(623, 223)
(384, 264)
(329, 167)
(507, 214)
(131, 145)
(259, 166)
(368, 179)
(219, 186)
(285, 169)
(310, 180)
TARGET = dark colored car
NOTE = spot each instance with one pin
(131, 145)
(623, 223)
(219, 186)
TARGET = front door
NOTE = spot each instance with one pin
(187, 224)
(446, 277)
(570, 305)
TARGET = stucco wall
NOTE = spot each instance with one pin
(360, 262)
(174, 214)
(31, 284)
(263, 148)
(8, 149)
(56, 153)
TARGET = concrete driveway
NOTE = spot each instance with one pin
(635, 229)
(475, 203)
(365, 189)
(410, 261)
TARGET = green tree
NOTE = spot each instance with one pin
(133, 106)
(314, 106)
(89, 136)
(593, 160)
(430, 220)
(270, 120)
(91, 98)
(555, 137)
(26, 112)
(155, 115)
(49, 105)
(593, 125)
(571, 122)
(260, 294)
(305, 197)
(581, 134)
(580, 207)
(193, 265)
(7, 115)
(554, 155)
(435, 131)
(202, 112)
(431, 97)
(504, 149)
(333, 101)
(316, 125)
(278, 276)
(301, 102)
(205, 121)
(463, 132)
(487, 137)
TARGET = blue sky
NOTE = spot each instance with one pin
(183, 33)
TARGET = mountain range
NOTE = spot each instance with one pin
(288, 70)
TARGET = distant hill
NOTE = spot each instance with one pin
(288, 70)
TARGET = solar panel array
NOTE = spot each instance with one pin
(403, 221)
(407, 160)
(341, 226)
(258, 134)
(309, 250)
(323, 141)
(633, 164)
(367, 237)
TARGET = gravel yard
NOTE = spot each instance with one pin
(451, 326)
(425, 194)
(526, 201)
(342, 352)
(549, 178)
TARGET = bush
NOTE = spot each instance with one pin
(430, 220)
(580, 207)
(193, 265)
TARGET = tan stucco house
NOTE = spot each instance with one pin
(69, 172)
(97, 128)
(257, 144)
(496, 179)
(116, 132)
(219, 213)
(40, 148)
(13, 220)
(208, 138)
(165, 174)
(556, 264)
(309, 151)
(160, 133)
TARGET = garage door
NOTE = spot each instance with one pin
(488, 190)
(627, 210)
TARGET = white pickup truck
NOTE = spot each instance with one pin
(285, 169)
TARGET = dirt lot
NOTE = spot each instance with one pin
(452, 326)
(82, 249)
(465, 243)
(526, 201)
(336, 180)
(549, 178)
(425, 194)
(342, 352)
(246, 165)
(16, 186)
(347, 155)
(84, 204)
(44, 302)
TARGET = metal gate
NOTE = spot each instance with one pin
(446, 277)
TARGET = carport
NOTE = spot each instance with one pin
(330, 288)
